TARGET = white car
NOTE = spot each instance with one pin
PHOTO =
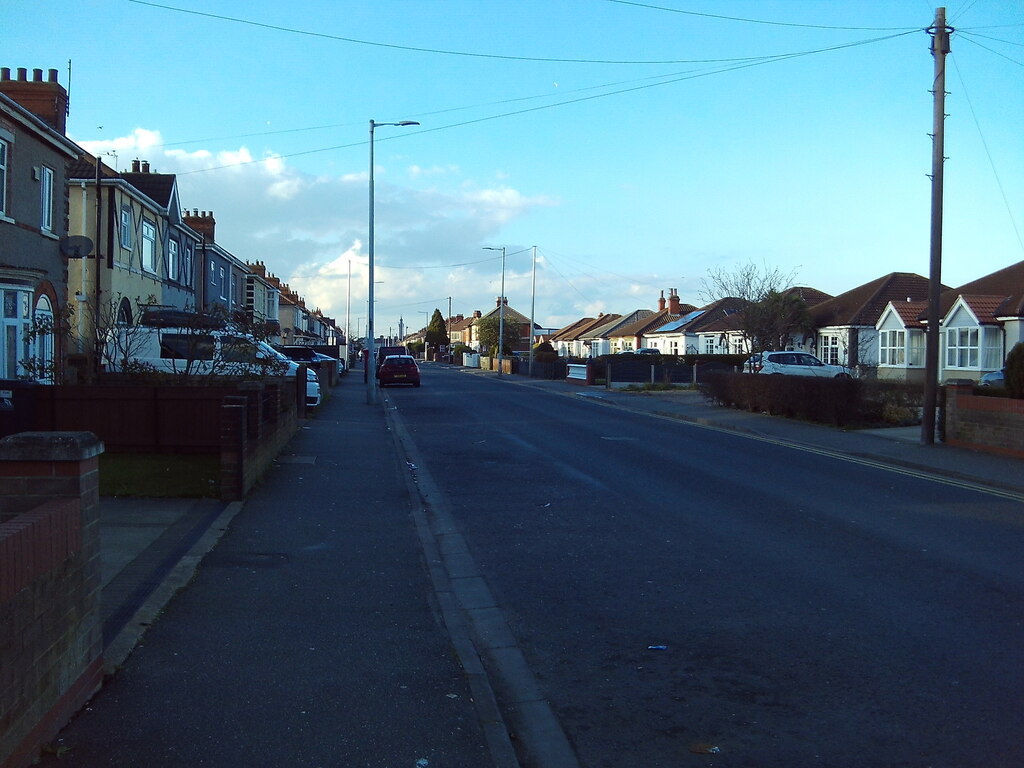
(793, 364)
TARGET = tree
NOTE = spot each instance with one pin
(437, 334)
(773, 312)
(487, 331)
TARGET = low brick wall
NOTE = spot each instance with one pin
(51, 634)
(992, 424)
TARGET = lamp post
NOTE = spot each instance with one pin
(371, 378)
(501, 307)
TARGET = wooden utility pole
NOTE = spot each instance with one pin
(940, 47)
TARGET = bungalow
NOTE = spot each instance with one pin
(709, 330)
(568, 341)
(602, 339)
(846, 327)
(631, 336)
(981, 321)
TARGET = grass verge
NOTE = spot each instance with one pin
(160, 475)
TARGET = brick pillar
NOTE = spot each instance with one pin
(232, 452)
(51, 634)
(955, 388)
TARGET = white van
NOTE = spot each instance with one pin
(201, 352)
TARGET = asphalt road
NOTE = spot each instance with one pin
(690, 597)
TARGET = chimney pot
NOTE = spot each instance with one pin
(22, 74)
(135, 165)
(53, 75)
(5, 73)
(37, 75)
(145, 166)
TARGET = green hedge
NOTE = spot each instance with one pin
(842, 402)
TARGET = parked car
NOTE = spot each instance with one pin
(195, 351)
(994, 379)
(399, 369)
(793, 364)
(305, 354)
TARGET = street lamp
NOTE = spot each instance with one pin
(501, 307)
(371, 383)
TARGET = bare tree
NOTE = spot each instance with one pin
(772, 314)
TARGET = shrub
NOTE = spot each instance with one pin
(545, 353)
(1015, 371)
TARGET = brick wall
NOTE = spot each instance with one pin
(992, 424)
(50, 629)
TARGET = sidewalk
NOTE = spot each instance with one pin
(310, 633)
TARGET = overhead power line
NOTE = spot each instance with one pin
(673, 79)
(757, 21)
(478, 55)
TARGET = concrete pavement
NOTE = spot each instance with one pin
(152, 548)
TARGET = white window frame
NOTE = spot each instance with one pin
(126, 227)
(213, 272)
(46, 198)
(223, 284)
(5, 161)
(709, 345)
(828, 348)
(148, 245)
(892, 347)
(991, 348)
(963, 348)
(44, 343)
(188, 266)
(15, 304)
(172, 260)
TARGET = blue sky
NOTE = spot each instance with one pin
(636, 144)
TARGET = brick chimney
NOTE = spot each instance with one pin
(477, 314)
(202, 222)
(501, 300)
(661, 302)
(46, 99)
(673, 302)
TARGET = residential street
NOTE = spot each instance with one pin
(490, 563)
(678, 590)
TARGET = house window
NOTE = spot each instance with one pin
(213, 272)
(46, 198)
(709, 345)
(991, 349)
(5, 150)
(14, 344)
(43, 351)
(828, 348)
(189, 266)
(234, 289)
(892, 347)
(172, 260)
(148, 246)
(962, 348)
(915, 348)
(126, 227)
(223, 284)
(673, 347)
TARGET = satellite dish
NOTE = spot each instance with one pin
(75, 246)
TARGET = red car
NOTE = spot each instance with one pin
(398, 369)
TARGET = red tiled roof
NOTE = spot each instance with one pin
(910, 311)
(985, 308)
(1007, 283)
(864, 304)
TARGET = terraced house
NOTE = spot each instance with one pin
(34, 159)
